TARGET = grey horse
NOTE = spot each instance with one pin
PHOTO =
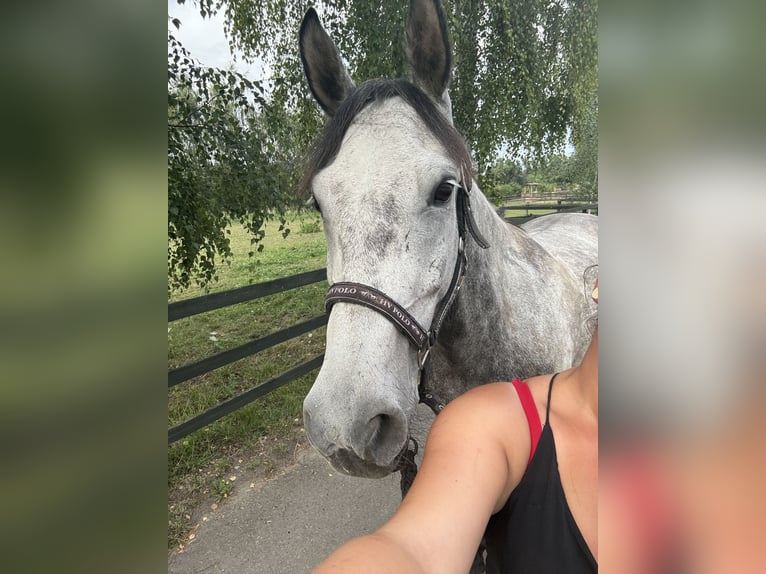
(393, 181)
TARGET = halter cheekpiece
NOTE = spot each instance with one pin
(422, 340)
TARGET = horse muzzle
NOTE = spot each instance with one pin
(348, 462)
(371, 449)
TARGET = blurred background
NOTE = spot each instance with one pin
(683, 286)
(82, 298)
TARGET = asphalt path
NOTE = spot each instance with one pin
(290, 523)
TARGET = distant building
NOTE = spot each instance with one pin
(531, 189)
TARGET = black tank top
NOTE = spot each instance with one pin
(535, 531)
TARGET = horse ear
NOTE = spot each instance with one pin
(428, 49)
(327, 76)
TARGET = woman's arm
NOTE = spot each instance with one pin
(475, 455)
(372, 554)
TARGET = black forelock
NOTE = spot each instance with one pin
(328, 143)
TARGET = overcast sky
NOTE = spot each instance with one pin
(204, 38)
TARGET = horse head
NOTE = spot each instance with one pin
(385, 177)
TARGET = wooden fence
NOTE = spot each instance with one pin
(197, 305)
(558, 207)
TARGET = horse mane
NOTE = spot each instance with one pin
(327, 144)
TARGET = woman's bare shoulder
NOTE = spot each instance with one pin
(490, 414)
(493, 402)
(500, 399)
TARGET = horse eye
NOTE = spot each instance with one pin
(443, 192)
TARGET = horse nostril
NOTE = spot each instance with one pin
(379, 427)
(380, 438)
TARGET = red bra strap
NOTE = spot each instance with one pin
(530, 410)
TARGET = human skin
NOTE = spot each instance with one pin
(476, 454)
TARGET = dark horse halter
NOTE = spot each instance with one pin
(360, 294)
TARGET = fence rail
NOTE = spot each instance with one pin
(237, 402)
(218, 360)
(557, 207)
(196, 305)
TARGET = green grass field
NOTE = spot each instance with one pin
(252, 442)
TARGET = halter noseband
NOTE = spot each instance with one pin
(360, 294)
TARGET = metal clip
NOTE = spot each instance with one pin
(423, 356)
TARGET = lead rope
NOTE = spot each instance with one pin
(408, 467)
